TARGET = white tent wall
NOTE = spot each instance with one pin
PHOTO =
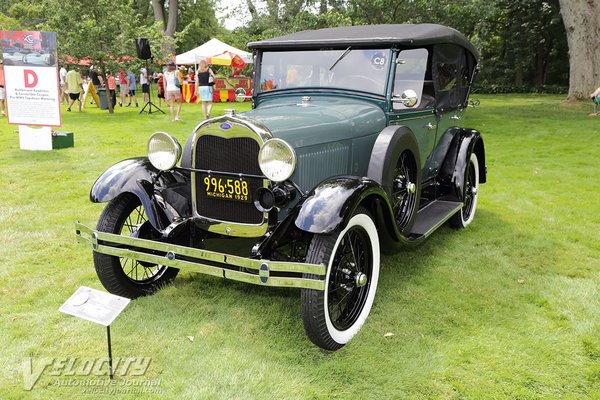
(211, 48)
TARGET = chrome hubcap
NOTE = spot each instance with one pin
(360, 279)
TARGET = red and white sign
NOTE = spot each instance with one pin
(31, 78)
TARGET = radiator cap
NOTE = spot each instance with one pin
(230, 112)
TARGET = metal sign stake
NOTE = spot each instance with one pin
(110, 365)
(99, 307)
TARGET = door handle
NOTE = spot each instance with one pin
(429, 126)
(455, 117)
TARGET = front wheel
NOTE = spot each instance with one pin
(124, 215)
(333, 316)
(465, 216)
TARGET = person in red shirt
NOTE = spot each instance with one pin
(2, 90)
(111, 83)
(124, 83)
(161, 88)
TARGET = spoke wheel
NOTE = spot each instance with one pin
(125, 215)
(136, 225)
(465, 216)
(350, 278)
(333, 316)
(404, 191)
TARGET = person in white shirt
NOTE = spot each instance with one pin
(144, 83)
(64, 97)
(173, 83)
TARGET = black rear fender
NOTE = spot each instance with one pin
(452, 173)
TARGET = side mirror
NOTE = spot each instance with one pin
(408, 98)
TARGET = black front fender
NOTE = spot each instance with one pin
(134, 175)
(332, 203)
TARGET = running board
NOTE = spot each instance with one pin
(433, 216)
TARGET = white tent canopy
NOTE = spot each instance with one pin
(211, 48)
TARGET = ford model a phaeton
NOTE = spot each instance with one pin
(353, 146)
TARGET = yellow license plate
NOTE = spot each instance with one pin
(235, 189)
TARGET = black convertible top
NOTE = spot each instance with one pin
(369, 35)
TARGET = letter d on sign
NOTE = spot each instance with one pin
(30, 77)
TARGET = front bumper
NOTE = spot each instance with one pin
(264, 272)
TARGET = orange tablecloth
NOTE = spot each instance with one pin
(189, 93)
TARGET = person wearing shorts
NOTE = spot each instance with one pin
(204, 89)
(173, 94)
(112, 87)
(123, 86)
(132, 88)
(74, 88)
(145, 85)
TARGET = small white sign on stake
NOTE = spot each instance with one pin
(94, 305)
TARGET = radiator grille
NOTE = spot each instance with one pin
(235, 155)
(317, 165)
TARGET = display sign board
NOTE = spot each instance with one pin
(31, 77)
(94, 305)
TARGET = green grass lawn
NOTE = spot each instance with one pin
(508, 308)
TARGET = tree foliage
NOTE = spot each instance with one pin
(522, 42)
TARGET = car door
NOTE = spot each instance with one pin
(451, 68)
(410, 75)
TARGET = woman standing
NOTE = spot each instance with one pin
(123, 86)
(173, 83)
(204, 89)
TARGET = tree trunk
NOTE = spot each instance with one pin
(541, 66)
(172, 20)
(158, 6)
(273, 9)
(582, 23)
(323, 7)
(169, 21)
(519, 76)
(252, 9)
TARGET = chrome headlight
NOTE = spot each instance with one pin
(277, 160)
(163, 151)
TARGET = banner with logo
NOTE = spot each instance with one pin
(31, 77)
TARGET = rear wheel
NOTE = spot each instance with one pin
(124, 215)
(465, 216)
(405, 192)
(333, 316)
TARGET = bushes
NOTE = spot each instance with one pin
(501, 89)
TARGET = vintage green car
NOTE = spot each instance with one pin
(353, 147)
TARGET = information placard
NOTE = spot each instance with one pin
(31, 77)
(94, 305)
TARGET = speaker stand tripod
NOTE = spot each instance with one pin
(149, 104)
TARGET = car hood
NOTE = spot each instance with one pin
(323, 119)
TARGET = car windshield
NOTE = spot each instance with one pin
(353, 69)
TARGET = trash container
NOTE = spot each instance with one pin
(102, 94)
